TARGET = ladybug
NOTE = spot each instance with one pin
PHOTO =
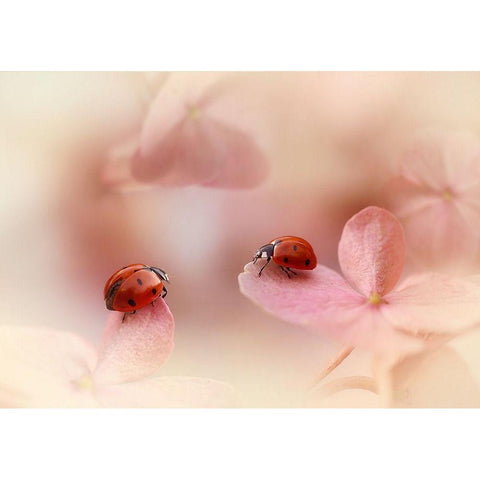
(133, 287)
(288, 252)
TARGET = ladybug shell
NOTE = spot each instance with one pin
(132, 288)
(293, 252)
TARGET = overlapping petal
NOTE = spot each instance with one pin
(300, 300)
(42, 367)
(137, 347)
(434, 303)
(436, 196)
(323, 301)
(371, 251)
(442, 160)
(196, 133)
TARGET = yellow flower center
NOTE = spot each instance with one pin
(375, 299)
(193, 112)
(85, 382)
(447, 195)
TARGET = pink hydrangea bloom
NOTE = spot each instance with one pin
(365, 308)
(42, 367)
(199, 131)
(436, 196)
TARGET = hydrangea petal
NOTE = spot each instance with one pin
(371, 251)
(323, 301)
(442, 160)
(116, 173)
(137, 347)
(42, 367)
(441, 236)
(423, 162)
(435, 304)
(176, 392)
(188, 138)
(299, 299)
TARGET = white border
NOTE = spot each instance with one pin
(239, 444)
(247, 35)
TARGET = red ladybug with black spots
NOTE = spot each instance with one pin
(288, 252)
(134, 287)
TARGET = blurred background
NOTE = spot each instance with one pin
(332, 141)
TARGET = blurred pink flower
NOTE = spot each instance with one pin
(437, 198)
(198, 130)
(365, 309)
(42, 367)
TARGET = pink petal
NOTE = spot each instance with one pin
(202, 151)
(442, 160)
(188, 138)
(115, 173)
(137, 347)
(176, 392)
(323, 301)
(423, 162)
(42, 367)
(434, 304)
(301, 299)
(371, 251)
(441, 235)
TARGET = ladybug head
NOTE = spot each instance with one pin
(263, 252)
(162, 274)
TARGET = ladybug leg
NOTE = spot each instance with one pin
(164, 292)
(291, 271)
(153, 304)
(267, 262)
(126, 313)
(285, 270)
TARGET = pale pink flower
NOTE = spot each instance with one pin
(436, 196)
(366, 308)
(199, 130)
(42, 367)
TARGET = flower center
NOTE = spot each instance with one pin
(193, 112)
(375, 298)
(85, 382)
(447, 194)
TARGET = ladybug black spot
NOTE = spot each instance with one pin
(139, 281)
(294, 248)
(307, 262)
(132, 302)
(285, 259)
(154, 291)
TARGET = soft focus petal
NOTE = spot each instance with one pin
(323, 301)
(406, 199)
(176, 392)
(42, 367)
(435, 303)
(115, 173)
(438, 379)
(202, 151)
(442, 160)
(423, 163)
(188, 138)
(440, 236)
(371, 251)
(137, 347)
